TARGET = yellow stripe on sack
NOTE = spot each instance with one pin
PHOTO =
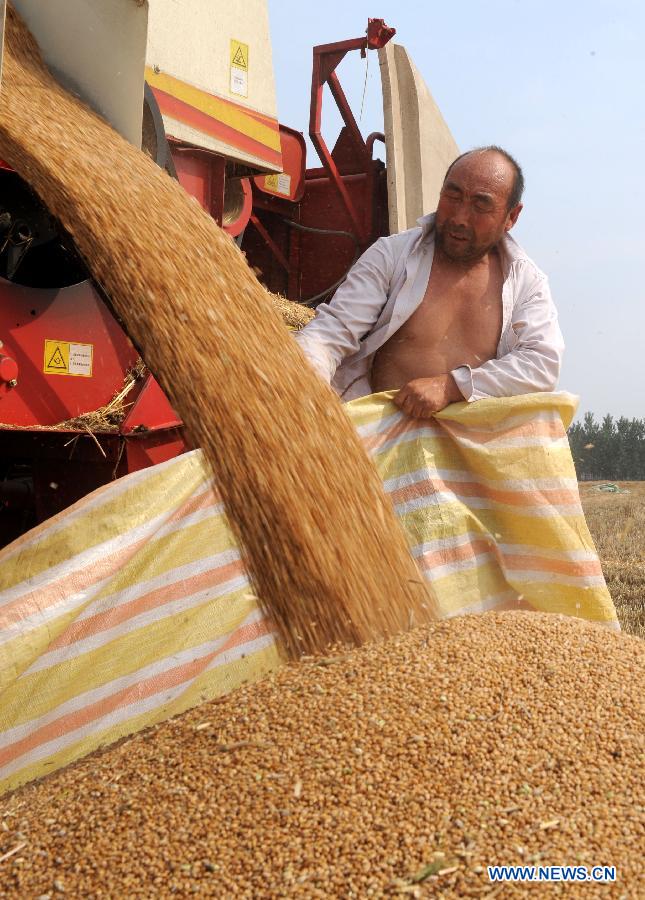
(224, 111)
(33, 694)
(552, 533)
(451, 520)
(567, 600)
(465, 587)
(19, 653)
(428, 524)
(157, 491)
(491, 411)
(209, 685)
(411, 452)
(160, 555)
(514, 467)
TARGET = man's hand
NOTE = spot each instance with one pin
(423, 397)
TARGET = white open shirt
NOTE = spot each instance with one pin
(388, 283)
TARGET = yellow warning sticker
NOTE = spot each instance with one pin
(68, 358)
(239, 54)
(239, 68)
(279, 184)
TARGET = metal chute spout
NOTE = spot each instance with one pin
(97, 50)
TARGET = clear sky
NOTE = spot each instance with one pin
(560, 85)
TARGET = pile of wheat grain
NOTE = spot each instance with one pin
(294, 315)
(323, 547)
(405, 767)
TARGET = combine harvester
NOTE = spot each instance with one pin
(192, 84)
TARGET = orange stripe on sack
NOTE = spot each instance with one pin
(116, 615)
(531, 562)
(37, 600)
(456, 554)
(553, 428)
(130, 695)
(511, 561)
(403, 425)
(432, 485)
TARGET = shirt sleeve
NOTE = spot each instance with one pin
(339, 326)
(534, 360)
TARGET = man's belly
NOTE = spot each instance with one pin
(401, 360)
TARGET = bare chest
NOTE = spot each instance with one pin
(461, 315)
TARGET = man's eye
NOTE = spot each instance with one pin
(483, 205)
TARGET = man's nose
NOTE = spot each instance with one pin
(461, 214)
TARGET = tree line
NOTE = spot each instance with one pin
(609, 450)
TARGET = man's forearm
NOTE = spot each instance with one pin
(519, 372)
(453, 392)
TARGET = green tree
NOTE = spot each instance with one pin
(612, 449)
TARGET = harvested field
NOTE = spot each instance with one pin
(400, 768)
(617, 524)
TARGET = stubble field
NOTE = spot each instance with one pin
(617, 524)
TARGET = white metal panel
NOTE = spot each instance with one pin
(418, 143)
(191, 41)
(97, 49)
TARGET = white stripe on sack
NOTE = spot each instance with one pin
(101, 638)
(133, 710)
(87, 504)
(103, 691)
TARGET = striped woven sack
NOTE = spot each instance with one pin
(133, 605)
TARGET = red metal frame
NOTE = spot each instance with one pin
(326, 59)
(343, 207)
(202, 173)
(271, 244)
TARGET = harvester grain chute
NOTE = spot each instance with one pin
(195, 88)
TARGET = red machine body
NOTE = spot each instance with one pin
(64, 354)
(35, 320)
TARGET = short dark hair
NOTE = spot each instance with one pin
(518, 181)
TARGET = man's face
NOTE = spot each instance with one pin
(473, 212)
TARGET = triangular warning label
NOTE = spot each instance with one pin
(57, 361)
(238, 59)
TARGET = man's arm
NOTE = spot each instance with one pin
(532, 364)
(339, 326)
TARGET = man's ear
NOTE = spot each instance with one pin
(513, 216)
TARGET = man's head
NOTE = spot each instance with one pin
(479, 202)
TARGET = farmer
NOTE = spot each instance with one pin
(451, 310)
